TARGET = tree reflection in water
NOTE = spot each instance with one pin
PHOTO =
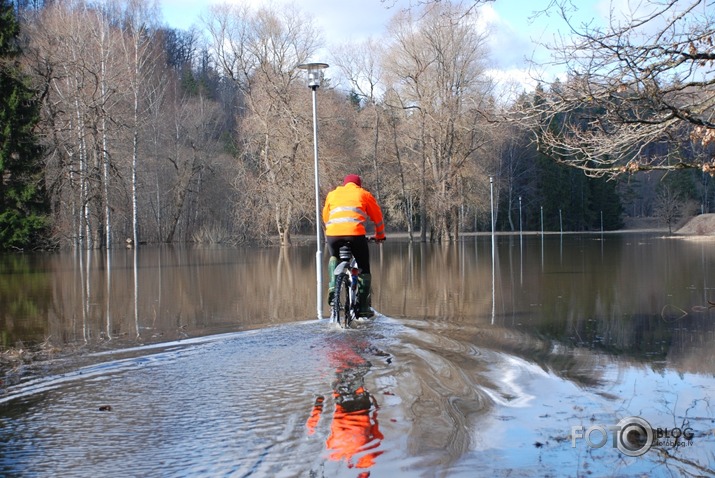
(354, 431)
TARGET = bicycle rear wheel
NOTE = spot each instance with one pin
(341, 301)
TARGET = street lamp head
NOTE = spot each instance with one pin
(315, 73)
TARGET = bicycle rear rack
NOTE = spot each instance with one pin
(345, 253)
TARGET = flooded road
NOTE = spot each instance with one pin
(209, 362)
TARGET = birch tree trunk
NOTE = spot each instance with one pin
(103, 53)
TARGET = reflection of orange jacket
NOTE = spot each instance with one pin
(346, 210)
(352, 433)
(315, 415)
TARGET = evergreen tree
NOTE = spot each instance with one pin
(570, 198)
(553, 191)
(606, 201)
(22, 200)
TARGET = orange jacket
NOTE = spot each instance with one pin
(346, 210)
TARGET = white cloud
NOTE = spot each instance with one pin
(513, 33)
(339, 22)
(513, 49)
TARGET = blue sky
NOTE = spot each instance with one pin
(515, 27)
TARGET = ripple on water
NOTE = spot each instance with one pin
(447, 402)
(225, 405)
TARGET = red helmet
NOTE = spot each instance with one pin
(352, 178)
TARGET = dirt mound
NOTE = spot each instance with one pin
(702, 225)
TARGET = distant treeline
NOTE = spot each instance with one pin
(118, 129)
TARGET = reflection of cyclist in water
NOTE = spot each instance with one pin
(354, 431)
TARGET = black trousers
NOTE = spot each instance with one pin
(358, 245)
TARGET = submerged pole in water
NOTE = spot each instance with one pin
(314, 76)
(521, 231)
(491, 198)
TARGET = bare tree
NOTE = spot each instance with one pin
(259, 52)
(516, 166)
(407, 182)
(64, 55)
(196, 127)
(437, 66)
(76, 56)
(638, 91)
(129, 148)
(468, 5)
(360, 64)
(141, 57)
(669, 206)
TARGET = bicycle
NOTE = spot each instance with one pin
(346, 302)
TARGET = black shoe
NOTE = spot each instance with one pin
(366, 314)
(331, 296)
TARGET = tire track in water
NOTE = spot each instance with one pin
(454, 395)
(440, 394)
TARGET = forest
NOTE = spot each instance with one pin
(116, 130)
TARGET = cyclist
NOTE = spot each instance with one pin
(346, 209)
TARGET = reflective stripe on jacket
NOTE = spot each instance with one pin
(346, 210)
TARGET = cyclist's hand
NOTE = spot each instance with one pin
(379, 239)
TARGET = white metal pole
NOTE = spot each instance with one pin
(491, 201)
(520, 226)
(319, 250)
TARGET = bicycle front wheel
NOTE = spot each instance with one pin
(341, 301)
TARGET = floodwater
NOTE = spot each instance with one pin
(209, 362)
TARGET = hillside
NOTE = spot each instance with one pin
(702, 225)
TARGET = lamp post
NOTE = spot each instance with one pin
(520, 227)
(315, 74)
